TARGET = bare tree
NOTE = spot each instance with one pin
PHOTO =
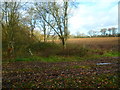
(59, 15)
(10, 18)
(109, 29)
(43, 26)
(91, 33)
(103, 31)
(31, 20)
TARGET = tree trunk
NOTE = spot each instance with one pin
(109, 33)
(32, 33)
(44, 30)
(44, 35)
(10, 50)
(44, 38)
(64, 43)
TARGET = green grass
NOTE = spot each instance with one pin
(112, 54)
(58, 58)
(53, 59)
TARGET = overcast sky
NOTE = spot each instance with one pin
(93, 15)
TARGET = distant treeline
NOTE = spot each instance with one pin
(105, 32)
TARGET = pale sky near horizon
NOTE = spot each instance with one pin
(94, 15)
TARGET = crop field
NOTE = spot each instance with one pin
(102, 40)
(99, 42)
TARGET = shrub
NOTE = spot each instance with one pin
(44, 49)
(42, 46)
(76, 51)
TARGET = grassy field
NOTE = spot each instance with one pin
(74, 67)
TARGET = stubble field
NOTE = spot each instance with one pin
(98, 42)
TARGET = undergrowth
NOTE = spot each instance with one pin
(51, 52)
(57, 58)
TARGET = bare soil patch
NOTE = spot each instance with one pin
(60, 74)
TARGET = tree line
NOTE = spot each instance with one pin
(104, 32)
(20, 19)
(108, 32)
